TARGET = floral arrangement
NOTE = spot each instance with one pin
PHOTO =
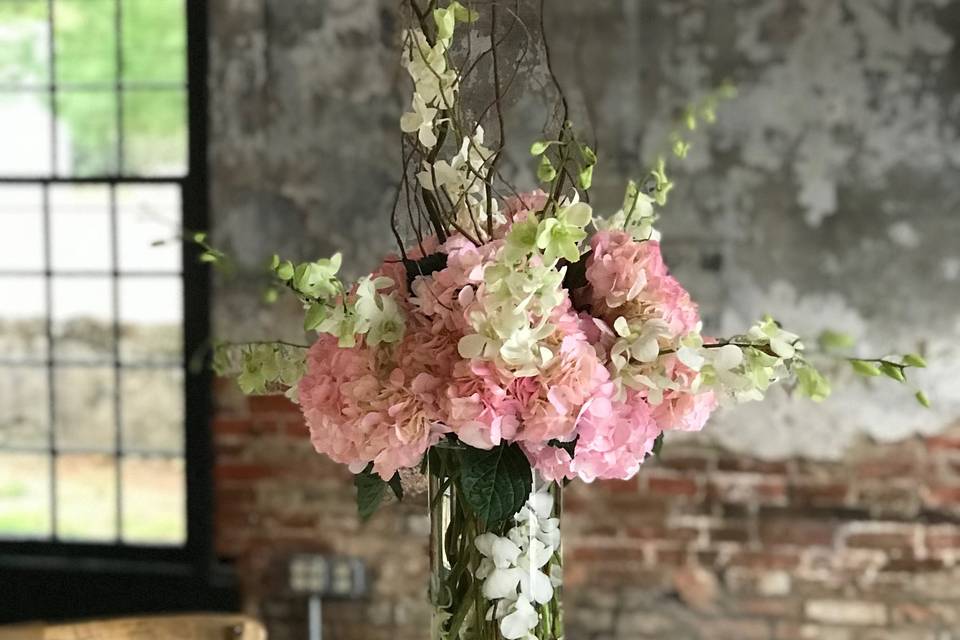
(516, 342)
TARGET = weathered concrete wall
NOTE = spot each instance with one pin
(826, 194)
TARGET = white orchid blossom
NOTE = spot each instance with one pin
(420, 121)
(512, 569)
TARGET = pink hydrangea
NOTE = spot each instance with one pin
(551, 402)
(616, 268)
(358, 414)
(385, 406)
(613, 440)
(685, 411)
(524, 203)
(388, 405)
(629, 278)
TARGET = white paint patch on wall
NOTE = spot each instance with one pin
(950, 268)
(903, 234)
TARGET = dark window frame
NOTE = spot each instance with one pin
(65, 579)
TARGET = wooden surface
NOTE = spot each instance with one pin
(180, 627)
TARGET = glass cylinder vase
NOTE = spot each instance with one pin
(494, 581)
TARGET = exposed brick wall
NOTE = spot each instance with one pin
(703, 544)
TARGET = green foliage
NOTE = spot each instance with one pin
(706, 110)
(396, 486)
(495, 483)
(462, 13)
(914, 360)
(317, 280)
(657, 445)
(662, 185)
(922, 399)
(681, 147)
(446, 23)
(370, 491)
(261, 368)
(811, 382)
(545, 170)
(588, 160)
(209, 254)
(540, 147)
(892, 371)
(865, 368)
(830, 340)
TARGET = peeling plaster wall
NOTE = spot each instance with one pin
(825, 195)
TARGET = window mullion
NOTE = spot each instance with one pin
(115, 326)
(48, 329)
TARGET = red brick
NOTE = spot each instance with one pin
(912, 565)
(647, 531)
(898, 463)
(671, 557)
(928, 613)
(272, 404)
(244, 471)
(820, 494)
(735, 534)
(941, 495)
(296, 429)
(613, 487)
(888, 500)
(232, 426)
(740, 629)
(672, 486)
(943, 539)
(599, 530)
(882, 541)
(942, 442)
(603, 554)
(765, 560)
(747, 488)
(799, 531)
(684, 463)
(753, 465)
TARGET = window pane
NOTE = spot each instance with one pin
(155, 133)
(87, 124)
(23, 42)
(154, 500)
(80, 228)
(151, 317)
(86, 497)
(154, 41)
(21, 228)
(24, 495)
(82, 318)
(23, 318)
(24, 407)
(152, 401)
(83, 401)
(85, 41)
(148, 220)
(25, 128)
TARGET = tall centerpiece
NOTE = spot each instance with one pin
(516, 342)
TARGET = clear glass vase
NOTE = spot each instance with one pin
(494, 582)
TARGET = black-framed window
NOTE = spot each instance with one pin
(104, 451)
